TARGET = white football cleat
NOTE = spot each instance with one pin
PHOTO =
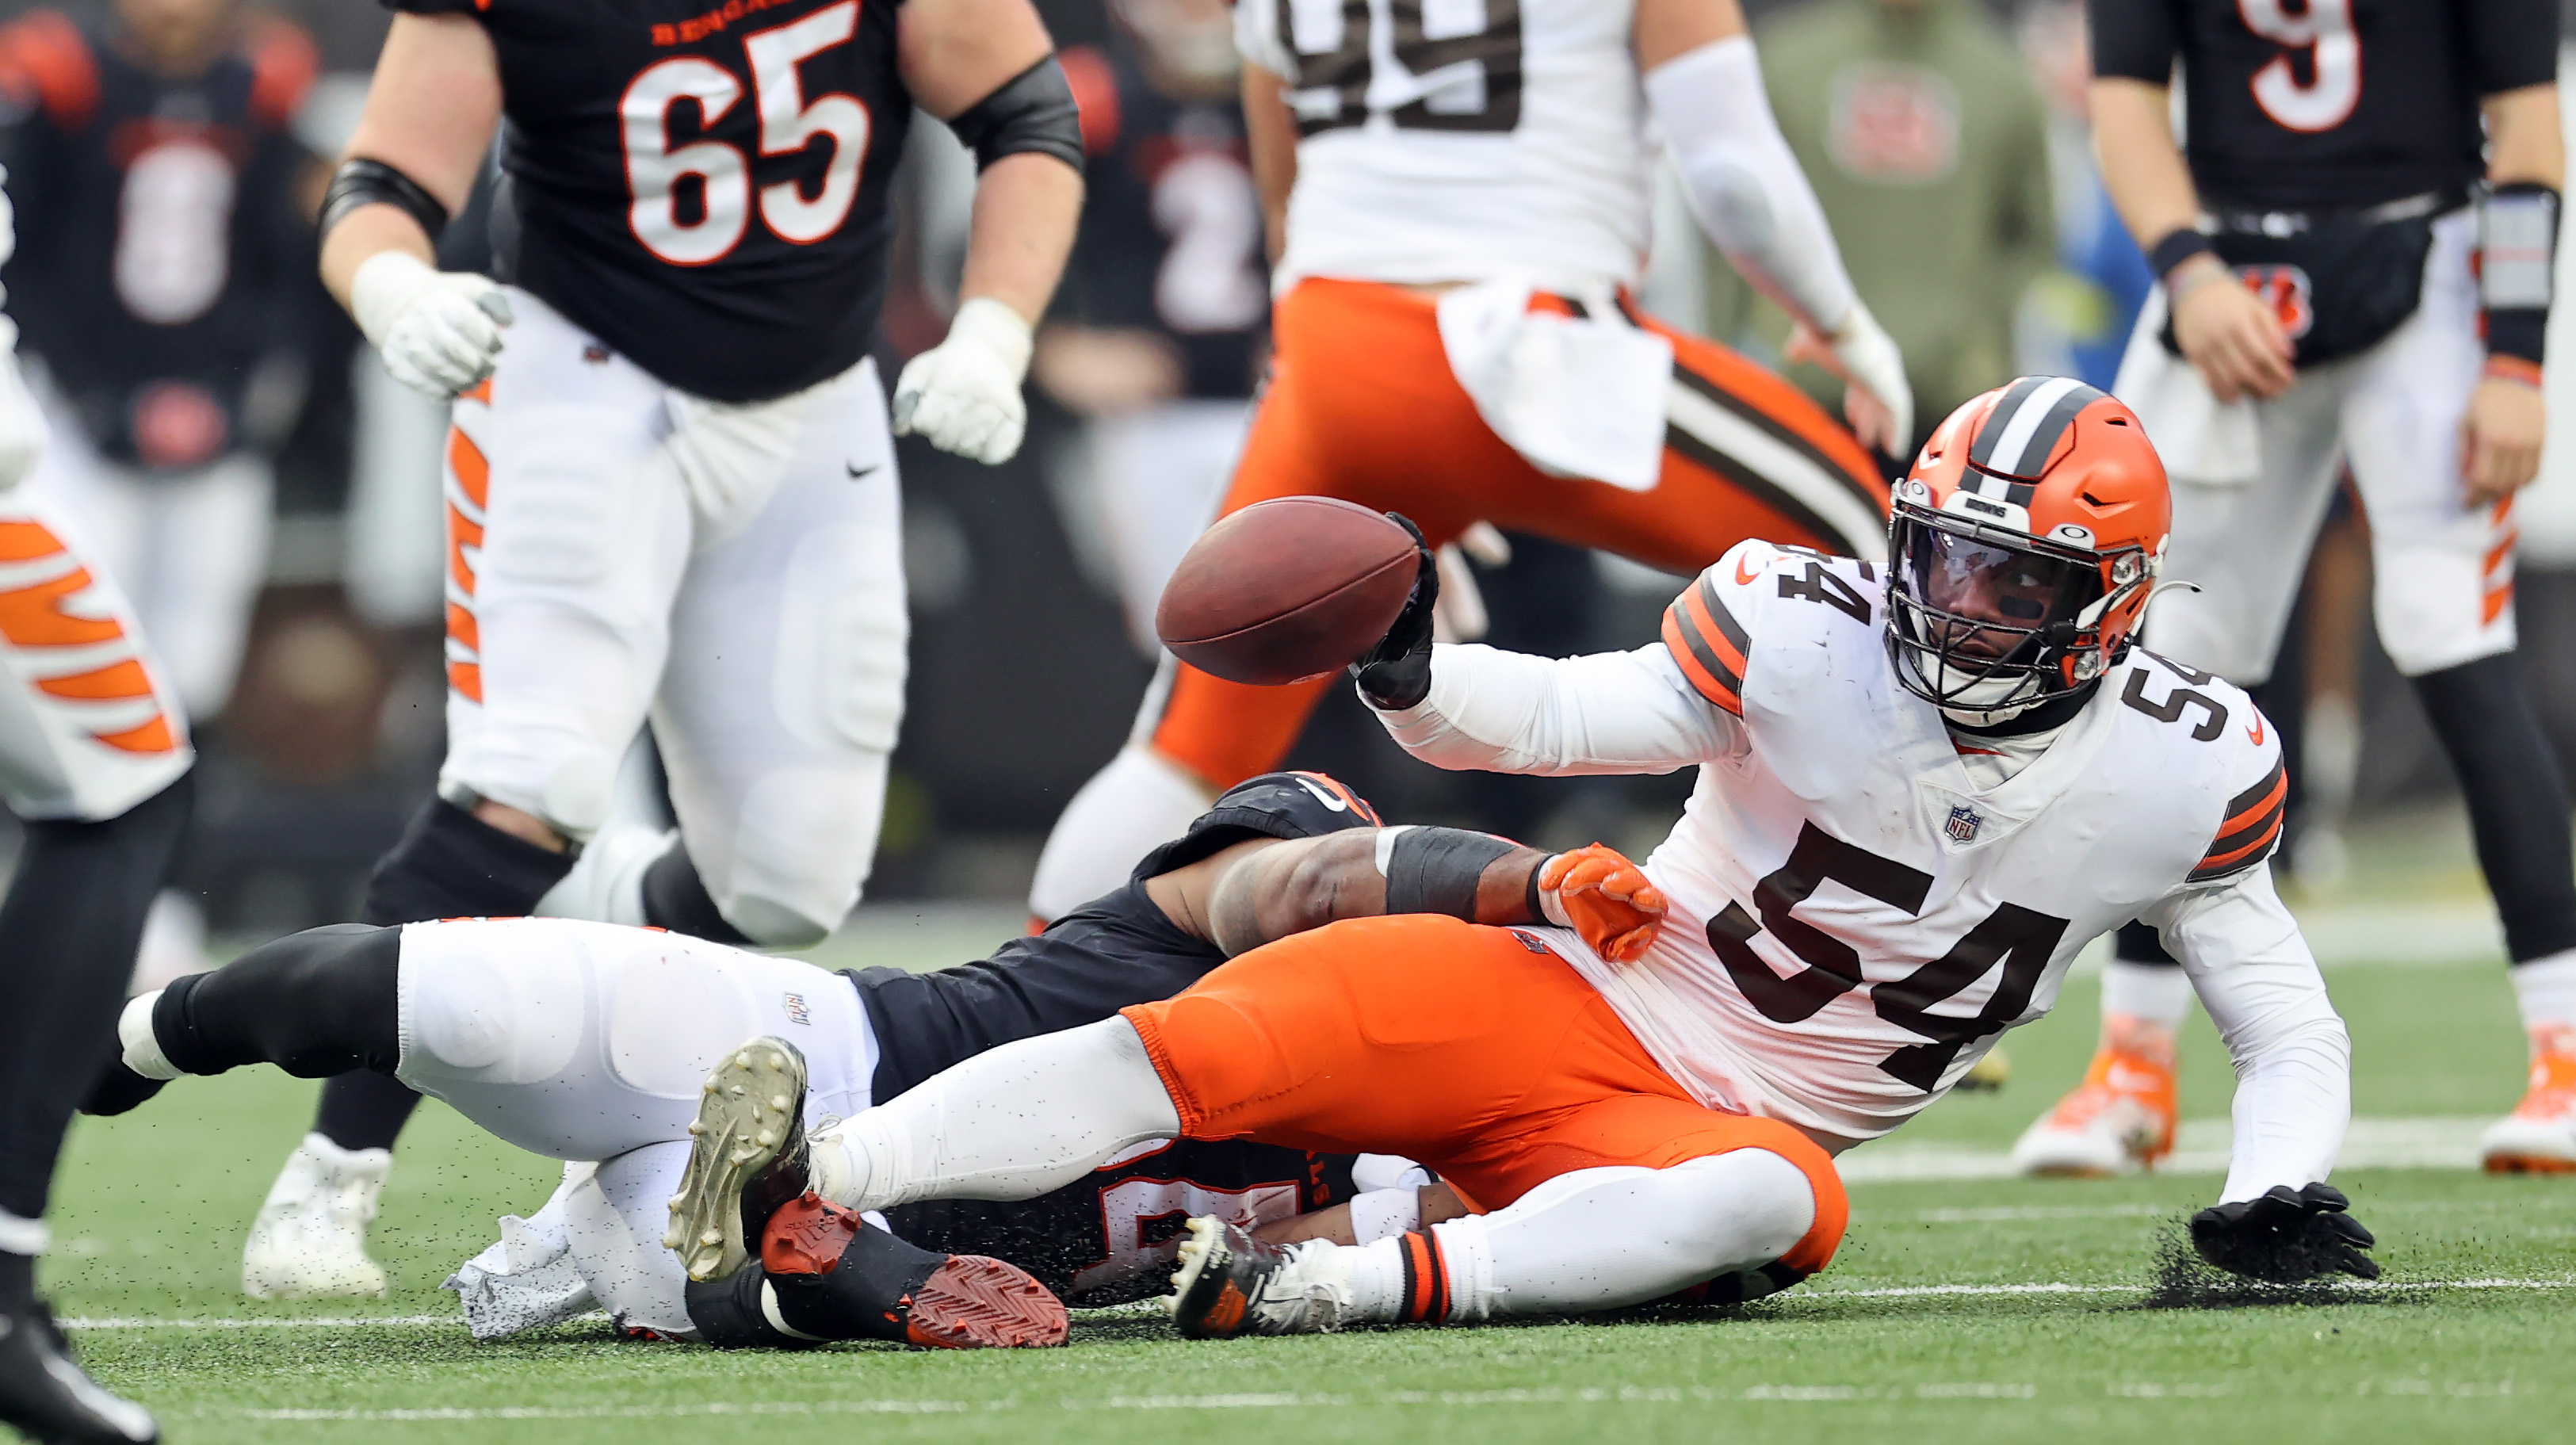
(310, 1239)
(2539, 1136)
(2121, 1119)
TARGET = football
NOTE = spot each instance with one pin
(1286, 590)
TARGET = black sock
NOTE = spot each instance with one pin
(2517, 799)
(17, 1283)
(677, 899)
(318, 1003)
(449, 864)
(68, 932)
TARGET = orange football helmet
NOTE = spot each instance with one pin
(2025, 542)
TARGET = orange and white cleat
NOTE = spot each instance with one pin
(2120, 1120)
(2539, 1136)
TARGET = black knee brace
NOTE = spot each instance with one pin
(2516, 797)
(318, 1003)
(451, 864)
(677, 899)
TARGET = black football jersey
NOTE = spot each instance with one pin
(702, 187)
(2329, 104)
(1171, 225)
(163, 252)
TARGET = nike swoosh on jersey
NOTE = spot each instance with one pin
(858, 472)
(2255, 733)
(1744, 578)
(1323, 797)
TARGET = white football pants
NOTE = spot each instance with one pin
(617, 548)
(2442, 569)
(1147, 485)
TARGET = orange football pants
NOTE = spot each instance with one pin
(1474, 1051)
(1362, 405)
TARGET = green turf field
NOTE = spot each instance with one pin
(1988, 1310)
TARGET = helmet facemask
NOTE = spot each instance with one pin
(1985, 622)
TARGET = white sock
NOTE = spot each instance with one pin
(1013, 1123)
(2546, 989)
(1139, 802)
(1377, 1279)
(24, 1236)
(2157, 992)
(142, 1047)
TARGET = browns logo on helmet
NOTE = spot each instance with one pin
(2024, 545)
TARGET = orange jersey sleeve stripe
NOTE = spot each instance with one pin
(463, 629)
(465, 679)
(155, 736)
(27, 541)
(33, 616)
(2252, 826)
(1708, 643)
(114, 682)
(461, 534)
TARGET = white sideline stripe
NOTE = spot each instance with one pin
(2441, 1142)
(115, 1322)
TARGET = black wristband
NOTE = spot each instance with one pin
(2179, 245)
(1436, 870)
(1536, 901)
(1032, 111)
(362, 182)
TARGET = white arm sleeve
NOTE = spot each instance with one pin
(1743, 183)
(2293, 1058)
(1612, 712)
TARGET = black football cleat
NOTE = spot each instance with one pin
(748, 1157)
(44, 1392)
(833, 1276)
(1231, 1284)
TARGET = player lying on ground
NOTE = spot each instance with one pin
(588, 1042)
(1919, 797)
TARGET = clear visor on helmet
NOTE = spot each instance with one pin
(1986, 616)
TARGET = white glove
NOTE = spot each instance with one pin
(1881, 410)
(963, 395)
(22, 426)
(438, 331)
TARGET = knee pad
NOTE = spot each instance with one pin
(451, 864)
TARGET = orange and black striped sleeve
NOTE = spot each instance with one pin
(1708, 643)
(2251, 828)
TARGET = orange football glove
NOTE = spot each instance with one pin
(1605, 898)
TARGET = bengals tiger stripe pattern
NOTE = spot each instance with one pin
(2253, 825)
(1709, 644)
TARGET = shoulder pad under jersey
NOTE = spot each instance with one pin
(1709, 627)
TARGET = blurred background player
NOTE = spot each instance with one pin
(2395, 261)
(1456, 213)
(164, 297)
(94, 762)
(2076, 320)
(1163, 323)
(1928, 147)
(671, 485)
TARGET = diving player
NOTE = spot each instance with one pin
(671, 484)
(587, 1042)
(1921, 791)
(1456, 215)
(2384, 182)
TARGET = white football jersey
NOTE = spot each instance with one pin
(1854, 919)
(1460, 140)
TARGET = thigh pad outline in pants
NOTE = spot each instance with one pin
(784, 690)
(585, 1040)
(1476, 1051)
(568, 528)
(89, 723)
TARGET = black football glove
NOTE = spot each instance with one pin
(2285, 1237)
(1396, 673)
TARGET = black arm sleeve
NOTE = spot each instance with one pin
(1032, 111)
(2512, 44)
(2137, 39)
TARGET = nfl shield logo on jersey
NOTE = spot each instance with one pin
(1963, 825)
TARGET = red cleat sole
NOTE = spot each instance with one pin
(2529, 1164)
(975, 1303)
